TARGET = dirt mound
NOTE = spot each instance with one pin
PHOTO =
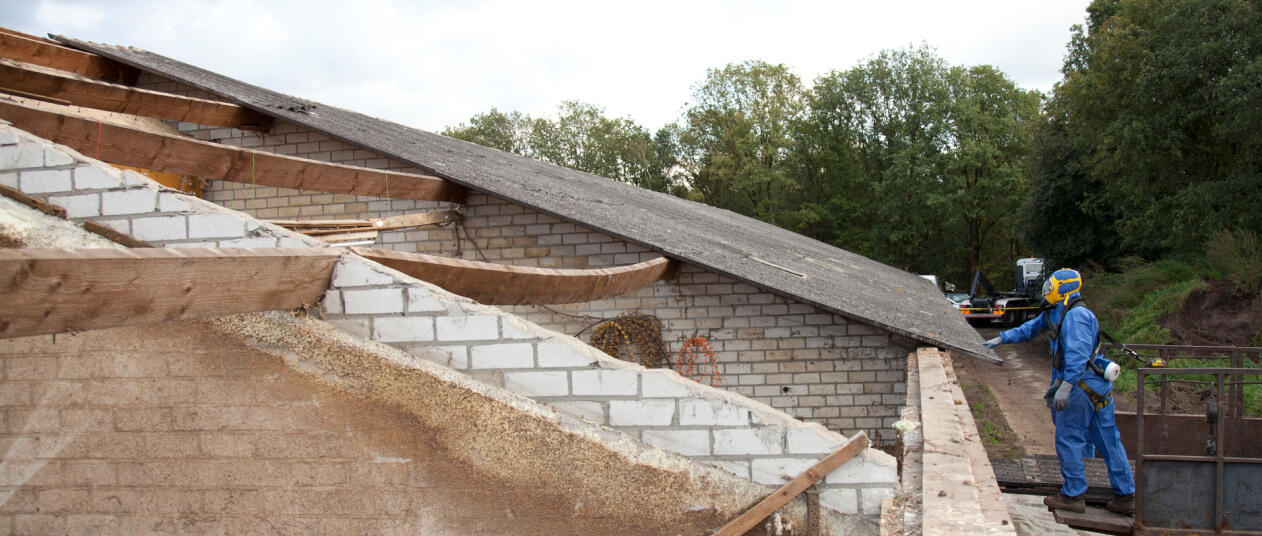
(1218, 315)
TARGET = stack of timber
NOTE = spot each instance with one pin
(344, 232)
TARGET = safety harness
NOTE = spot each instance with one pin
(1058, 357)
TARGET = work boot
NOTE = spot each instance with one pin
(1060, 501)
(1122, 504)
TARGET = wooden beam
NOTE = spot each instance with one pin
(176, 154)
(21, 197)
(406, 221)
(58, 290)
(79, 90)
(787, 492)
(498, 284)
(112, 235)
(21, 47)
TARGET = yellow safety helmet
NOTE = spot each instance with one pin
(1061, 285)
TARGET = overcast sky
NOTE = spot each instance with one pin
(431, 64)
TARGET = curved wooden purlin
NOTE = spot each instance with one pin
(498, 284)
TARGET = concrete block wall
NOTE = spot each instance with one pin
(656, 406)
(809, 363)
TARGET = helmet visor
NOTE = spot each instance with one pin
(1047, 287)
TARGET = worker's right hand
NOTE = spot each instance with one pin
(994, 342)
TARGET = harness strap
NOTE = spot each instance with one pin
(1098, 400)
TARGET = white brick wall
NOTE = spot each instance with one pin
(657, 406)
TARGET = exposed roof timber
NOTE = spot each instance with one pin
(742, 523)
(29, 49)
(497, 284)
(177, 154)
(80, 90)
(390, 223)
(59, 290)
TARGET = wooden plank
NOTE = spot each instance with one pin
(787, 492)
(20, 197)
(112, 235)
(58, 290)
(417, 220)
(79, 90)
(498, 284)
(349, 237)
(176, 154)
(1096, 520)
(11, 31)
(37, 51)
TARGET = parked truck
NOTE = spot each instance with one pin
(1008, 308)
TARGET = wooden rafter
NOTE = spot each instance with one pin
(176, 154)
(390, 223)
(498, 284)
(28, 49)
(80, 90)
(58, 290)
(787, 492)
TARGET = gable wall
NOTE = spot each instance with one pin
(809, 363)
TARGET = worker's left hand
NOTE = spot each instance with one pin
(1062, 396)
(993, 342)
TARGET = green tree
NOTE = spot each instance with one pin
(1164, 95)
(738, 135)
(508, 132)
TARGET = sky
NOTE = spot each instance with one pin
(434, 64)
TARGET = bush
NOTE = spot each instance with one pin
(1236, 257)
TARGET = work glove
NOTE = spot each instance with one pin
(994, 342)
(1051, 391)
(1062, 396)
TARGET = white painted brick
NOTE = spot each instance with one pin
(583, 409)
(561, 354)
(132, 179)
(372, 302)
(353, 272)
(456, 357)
(501, 356)
(45, 181)
(845, 501)
(78, 206)
(253, 242)
(870, 499)
(9, 179)
(644, 412)
(604, 383)
(403, 328)
(169, 202)
(357, 326)
(777, 471)
(736, 467)
(869, 467)
(661, 383)
(215, 226)
(96, 178)
(747, 441)
(55, 158)
(685, 442)
(140, 201)
(421, 300)
(21, 156)
(8, 138)
(468, 328)
(160, 228)
(122, 226)
(711, 413)
(510, 330)
(537, 383)
(809, 440)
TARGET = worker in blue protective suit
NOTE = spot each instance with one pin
(1080, 394)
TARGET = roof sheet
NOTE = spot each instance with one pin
(760, 254)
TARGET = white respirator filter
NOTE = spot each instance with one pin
(1112, 371)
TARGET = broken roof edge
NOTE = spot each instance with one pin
(306, 120)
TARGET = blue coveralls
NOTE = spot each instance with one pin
(1080, 420)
